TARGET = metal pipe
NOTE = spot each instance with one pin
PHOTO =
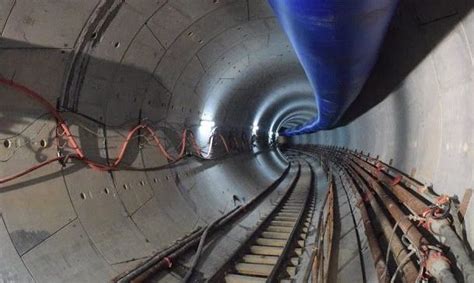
(442, 228)
(410, 272)
(376, 251)
(415, 237)
(399, 251)
(437, 265)
(407, 180)
(439, 227)
(407, 198)
(410, 231)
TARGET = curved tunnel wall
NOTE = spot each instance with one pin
(109, 65)
(416, 108)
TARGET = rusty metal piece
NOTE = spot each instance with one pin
(416, 239)
(439, 267)
(405, 224)
(410, 272)
(396, 180)
(408, 180)
(465, 202)
(441, 227)
(373, 243)
(319, 269)
(405, 196)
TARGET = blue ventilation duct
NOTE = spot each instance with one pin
(337, 43)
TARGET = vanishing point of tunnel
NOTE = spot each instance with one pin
(236, 141)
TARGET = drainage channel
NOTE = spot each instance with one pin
(274, 250)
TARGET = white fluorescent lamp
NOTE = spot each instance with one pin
(254, 129)
(207, 124)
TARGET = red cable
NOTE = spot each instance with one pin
(125, 144)
(24, 172)
(32, 94)
(79, 154)
(160, 146)
(194, 144)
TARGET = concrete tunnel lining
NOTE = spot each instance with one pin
(173, 63)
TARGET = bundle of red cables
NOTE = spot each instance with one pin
(78, 153)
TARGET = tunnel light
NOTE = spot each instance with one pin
(207, 124)
(254, 129)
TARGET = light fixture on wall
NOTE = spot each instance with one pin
(254, 129)
(207, 124)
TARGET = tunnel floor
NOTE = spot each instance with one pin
(332, 216)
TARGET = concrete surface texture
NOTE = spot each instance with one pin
(108, 65)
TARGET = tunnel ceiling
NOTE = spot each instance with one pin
(173, 61)
(108, 66)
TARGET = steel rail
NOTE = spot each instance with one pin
(164, 259)
(291, 240)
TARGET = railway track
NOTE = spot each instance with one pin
(273, 252)
(283, 248)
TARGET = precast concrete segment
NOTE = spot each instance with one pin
(139, 56)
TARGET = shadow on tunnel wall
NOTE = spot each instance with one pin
(112, 98)
(416, 29)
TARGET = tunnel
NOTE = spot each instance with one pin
(236, 141)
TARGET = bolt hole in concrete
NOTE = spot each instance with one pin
(106, 191)
(43, 143)
(7, 143)
(117, 44)
(142, 183)
(82, 195)
(155, 180)
(125, 187)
